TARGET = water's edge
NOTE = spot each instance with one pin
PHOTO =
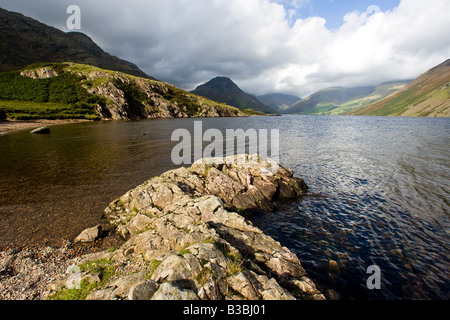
(379, 190)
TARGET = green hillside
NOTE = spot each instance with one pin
(76, 91)
(327, 100)
(427, 96)
(380, 92)
(59, 97)
(339, 100)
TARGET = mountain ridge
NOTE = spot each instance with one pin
(278, 101)
(340, 100)
(327, 99)
(426, 96)
(25, 41)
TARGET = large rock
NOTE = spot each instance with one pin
(188, 242)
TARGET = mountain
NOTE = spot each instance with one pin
(224, 90)
(24, 41)
(327, 100)
(339, 100)
(427, 96)
(78, 91)
(379, 92)
(278, 101)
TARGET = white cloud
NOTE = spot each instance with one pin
(370, 47)
(254, 42)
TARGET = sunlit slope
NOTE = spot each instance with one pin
(427, 96)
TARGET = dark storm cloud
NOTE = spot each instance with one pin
(255, 42)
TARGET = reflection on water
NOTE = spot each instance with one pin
(378, 192)
(385, 186)
(57, 185)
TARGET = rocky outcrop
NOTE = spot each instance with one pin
(139, 98)
(42, 73)
(186, 240)
(119, 96)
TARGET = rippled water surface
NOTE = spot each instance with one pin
(379, 190)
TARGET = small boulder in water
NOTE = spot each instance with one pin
(42, 130)
(89, 235)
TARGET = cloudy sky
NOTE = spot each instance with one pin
(289, 46)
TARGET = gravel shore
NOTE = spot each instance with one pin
(26, 273)
(19, 125)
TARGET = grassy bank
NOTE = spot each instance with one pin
(30, 110)
(59, 97)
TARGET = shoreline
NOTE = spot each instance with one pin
(12, 126)
(189, 243)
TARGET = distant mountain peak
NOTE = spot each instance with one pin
(220, 83)
(223, 89)
(278, 101)
(222, 78)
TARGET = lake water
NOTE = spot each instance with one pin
(379, 192)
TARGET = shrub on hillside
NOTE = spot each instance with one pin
(3, 115)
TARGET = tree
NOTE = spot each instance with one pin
(3, 115)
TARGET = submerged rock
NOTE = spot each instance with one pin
(184, 231)
(42, 130)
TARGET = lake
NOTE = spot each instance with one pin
(379, 192)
